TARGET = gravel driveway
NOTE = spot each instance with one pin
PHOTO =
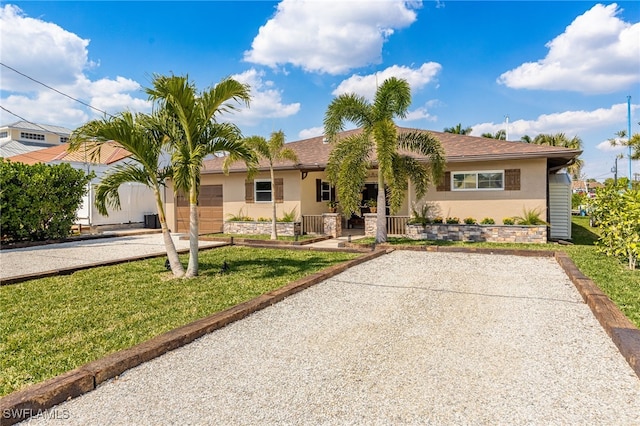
(407, 338)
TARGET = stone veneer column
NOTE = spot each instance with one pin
(370, 224)
(332, 223)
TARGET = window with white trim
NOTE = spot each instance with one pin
(485, 180)
(263, 192)
(325, 191)
(64, 139)
(4, 134)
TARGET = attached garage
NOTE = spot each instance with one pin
(210, 216)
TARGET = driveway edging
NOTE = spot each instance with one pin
(20, 405)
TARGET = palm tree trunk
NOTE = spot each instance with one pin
(274, 226)
(172, 253)
(381, 214)
(192, 267)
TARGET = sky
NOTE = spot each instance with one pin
(527, 67)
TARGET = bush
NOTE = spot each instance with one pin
(264, 219)
(488, 221)
(240, 217)
(530, 217)
(508, 221)
(438, 219)
(39, 202)
(289, 216)
(453, 220)
(469, 221)
(421, 216)
(617, 212)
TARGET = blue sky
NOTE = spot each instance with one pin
(563, 66)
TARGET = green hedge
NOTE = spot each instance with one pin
(39, 202)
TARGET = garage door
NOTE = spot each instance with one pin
(209, 210)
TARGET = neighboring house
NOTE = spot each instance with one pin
(484, 178)
(136, 200)
(587, 187)
(22, 137)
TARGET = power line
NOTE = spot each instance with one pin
(54, 89)
(31, 122)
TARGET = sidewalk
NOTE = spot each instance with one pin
(53, 259)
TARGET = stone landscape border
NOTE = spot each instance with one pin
(37, 398)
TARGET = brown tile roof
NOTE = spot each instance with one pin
(110, 152)
(313, 153)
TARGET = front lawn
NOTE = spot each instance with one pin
(610, 274)
(52, 325)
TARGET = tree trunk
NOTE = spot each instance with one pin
(172, 253)
(192, 268)
(381, 214)
(274, 226)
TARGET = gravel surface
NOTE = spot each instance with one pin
(408, 338)
(44, 258)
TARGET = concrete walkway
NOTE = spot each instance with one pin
(122, 245)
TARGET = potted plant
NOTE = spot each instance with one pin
(373, 205)
(333, 206)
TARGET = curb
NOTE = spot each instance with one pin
(20, 405)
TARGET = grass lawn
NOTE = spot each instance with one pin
(52, 325)
(610, 274)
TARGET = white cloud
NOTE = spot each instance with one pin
(607, 147)
(597, 53)
(571, 123)
(421, 113)
(266, 101)
(329, 36)
(27, 44)
(366, 85)
(311, 132)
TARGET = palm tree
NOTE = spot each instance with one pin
(380, 138)
(136, 135)
(272, 150)
(561, 140)
(194, 133)
(633, 142)
(458, 130)
(526, 139)
(500, 135)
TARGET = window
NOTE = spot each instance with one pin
(64, 139)
(486, 180)
(325, 191)
(4, 134)
(32, 136)
(263, 191)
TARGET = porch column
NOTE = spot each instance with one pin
(370, 226)
(332, 223)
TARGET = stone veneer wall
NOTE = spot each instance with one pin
(332, 223)
(488, 233)
(261, 228)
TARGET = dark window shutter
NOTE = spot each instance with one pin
(512, 179)
(333, 193)
(318, 190)
(445, 182)
(248, 191)
(279, 190)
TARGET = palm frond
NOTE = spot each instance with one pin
(107, 190)
(347, 166)
(346, 108)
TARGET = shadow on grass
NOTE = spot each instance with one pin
(582, 235)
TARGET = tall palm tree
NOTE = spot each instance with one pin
(194, 133)
(380, 138)
(136, 135)
(526, 139)
(272, 150)
(500, 135)
(561, 140)
(633, 142)
(458, 130)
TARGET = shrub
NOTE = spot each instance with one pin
(508, 221)
(264, 219)
(617, 212)
(438, 219)
(488, 221)
(469, 221)
(39, 202)
(420, 217)
(453, 220)
(289, 216)
(240, 217)
(530, 217)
